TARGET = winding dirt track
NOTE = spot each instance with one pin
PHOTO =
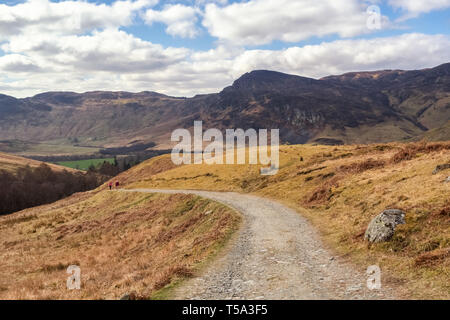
(276, 254)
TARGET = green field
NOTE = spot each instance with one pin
(84, 164)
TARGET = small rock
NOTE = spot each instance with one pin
(208, 212)
(382, 227)
(448, 179)
(129, 296)
(441, 167)
(353, 288)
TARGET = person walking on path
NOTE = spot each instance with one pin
(110, 185)
(117, 184)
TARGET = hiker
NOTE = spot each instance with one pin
(110, 185)
(117, 184)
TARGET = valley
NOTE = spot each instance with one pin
(181, 231)
(353, 145)
(246, 158)
(363, 107)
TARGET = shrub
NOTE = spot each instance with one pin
(324, 192)
(412, 149)
(362, 166)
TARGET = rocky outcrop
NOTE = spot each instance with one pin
(382, 227)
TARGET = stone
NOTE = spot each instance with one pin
(441, 167)
(129, 296)
(382, 227)
(448, 179)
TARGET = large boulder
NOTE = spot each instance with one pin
(382, 227)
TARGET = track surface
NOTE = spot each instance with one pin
(276, 254)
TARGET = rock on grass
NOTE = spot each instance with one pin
(382, 227)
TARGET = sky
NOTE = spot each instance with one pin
(189, 47)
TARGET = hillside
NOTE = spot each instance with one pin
(26, 183)
(438, 134)
(12, 163)
(145, 242)
(340, 189)
(123, 243)
(361, 107)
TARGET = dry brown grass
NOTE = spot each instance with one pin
(433, 258)
(340, 189)
(362, 166)
(123, 243)
(409, 151)
(324, 192)
(11, 163)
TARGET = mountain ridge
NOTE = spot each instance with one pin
(445, 67)
(355, 107)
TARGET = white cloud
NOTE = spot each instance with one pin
(408, 51)
(17, 63)
(108, 50)
(204, 2)
(115, 60)
(414, 8)
(181, 20)
(66, 17)
(78, 45)
(259, 22)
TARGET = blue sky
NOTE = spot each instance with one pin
(190, 47)
(435, 22)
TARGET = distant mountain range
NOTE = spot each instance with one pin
(358, 107)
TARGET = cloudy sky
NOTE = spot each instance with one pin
(183, 48)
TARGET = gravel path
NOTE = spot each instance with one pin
(276, 254)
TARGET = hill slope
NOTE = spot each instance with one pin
(12, 163)
(352, 108)
(340, 189)
(26, 183)
(122, 242)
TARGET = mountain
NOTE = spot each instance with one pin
(358, 107)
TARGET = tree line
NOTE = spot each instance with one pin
(29, 187)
